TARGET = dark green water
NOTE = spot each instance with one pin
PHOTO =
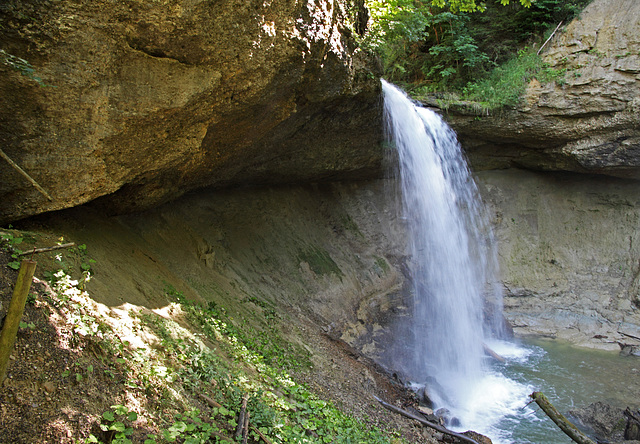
(571, 378)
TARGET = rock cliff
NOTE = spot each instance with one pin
(569, 252)
(144, 101)
(587, 121)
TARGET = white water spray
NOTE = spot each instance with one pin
(452, 261)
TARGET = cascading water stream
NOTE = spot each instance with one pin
(457, 306)
(452, 261)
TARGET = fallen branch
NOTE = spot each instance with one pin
(25, 174)
(45, 249)
(261, 435)
(628, 413)
(632, 429)
(550, 37)
(245, 429)
(491, 353)
(210, 401)
(423, 421)
(567, 427)
(241, 418)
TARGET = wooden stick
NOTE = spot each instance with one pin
(210, 401)
(567, 427)
(550, 37)
(24, 173)
(628, 413)
(261, 435)
(423, 421)
(45, 249)
(241, 416)
(14, 314)
(245, 428)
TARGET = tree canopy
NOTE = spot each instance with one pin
(443, 45)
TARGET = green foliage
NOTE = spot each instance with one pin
(451, 46)
(295, 415)
(506, 84)
(113, 425)
(30, 325)
(227, 359)
(9, 241)
(267, 343)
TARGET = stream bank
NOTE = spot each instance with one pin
(325, 265)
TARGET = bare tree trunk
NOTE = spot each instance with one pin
(567, 427)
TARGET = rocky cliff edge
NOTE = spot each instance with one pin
(144, 101)
(587, 121)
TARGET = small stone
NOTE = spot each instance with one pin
(49, 386)
(424, 410)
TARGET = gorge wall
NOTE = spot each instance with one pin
(144, 101)
(569, 251)
(568, 232)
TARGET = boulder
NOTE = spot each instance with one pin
(140, 102)
(587, 121)
(602, 421)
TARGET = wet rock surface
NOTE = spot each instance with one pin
(607, 423)
(568, 252)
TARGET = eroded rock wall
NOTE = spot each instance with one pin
(148, 100)
(569, 249)
(327, 254)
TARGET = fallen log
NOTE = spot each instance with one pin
(423, 421)
(491, 353)
(12, 319)
(567, 427)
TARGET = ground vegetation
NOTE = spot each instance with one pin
(483, 52)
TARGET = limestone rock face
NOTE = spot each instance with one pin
(147, 100)
(568, 246)
(588, 121)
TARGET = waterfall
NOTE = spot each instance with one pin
(452, 262)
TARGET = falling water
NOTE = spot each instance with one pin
(454, 275)
(452, 262)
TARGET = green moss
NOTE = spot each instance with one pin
(320, 262)
(350, 225)
(383, 264)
